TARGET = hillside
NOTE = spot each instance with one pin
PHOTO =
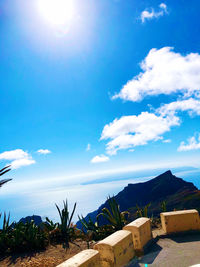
(178, 194)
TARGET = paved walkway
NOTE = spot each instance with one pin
(182, 251)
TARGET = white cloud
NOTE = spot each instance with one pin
(100, 158)
(167, 141)
(163, 6)
(43, 151)
(193, 143)
(147, 15)
(13, 154)
(131, 131)
(18, 158)
(88, 147)
(192, 105)
(22, 162)
(164, 72)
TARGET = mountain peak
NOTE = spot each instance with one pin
(165, 186)
(168, 172)
(165, 174)
(166, 183)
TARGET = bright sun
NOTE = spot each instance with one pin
(57, 12)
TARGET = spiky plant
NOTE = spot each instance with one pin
(65, 222)
(49, 225)
(142, 212)
(113, 214)
(4, 233)
(27, 237)
(164, 206)
(2, 172)
(89, 225)
(6, 222)
(91, 229)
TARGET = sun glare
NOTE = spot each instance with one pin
(57, 12)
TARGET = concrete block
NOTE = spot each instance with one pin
(179, 221)
(86, 258)
(116, 250)
(141, 232)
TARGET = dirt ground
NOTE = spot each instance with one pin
(51, 257)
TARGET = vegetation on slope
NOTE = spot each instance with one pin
(140, 200)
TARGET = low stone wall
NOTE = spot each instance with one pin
(180, 221)
(116, 249)
(141, 232)
(86, 258)
(119, 249)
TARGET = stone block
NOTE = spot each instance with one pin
(86, 258)
(179, 221)
(141, 232)
(116, 250)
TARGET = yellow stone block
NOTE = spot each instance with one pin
(141, 232)
(116, 250)
(179, 221)
(86, 258)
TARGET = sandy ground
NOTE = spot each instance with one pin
(51, 257)
(177, 251)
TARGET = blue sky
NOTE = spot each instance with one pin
(77, 101)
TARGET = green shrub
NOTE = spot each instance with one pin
(21, 236)
(116, 221)
(142, 212)
(5, 233)
(93, 231)
(164, 206)
(34, 236)
(49, 225)
(113, 215)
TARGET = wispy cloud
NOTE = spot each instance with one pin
(18, 158)
(191, 105)
(193, 143)
(88, 147)
(43, 151)
(100, 158)
(167, 141)
(148, 15)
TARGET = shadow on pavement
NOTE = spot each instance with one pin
(186, 238)
(151, 255)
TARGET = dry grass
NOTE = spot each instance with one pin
(51, 257)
